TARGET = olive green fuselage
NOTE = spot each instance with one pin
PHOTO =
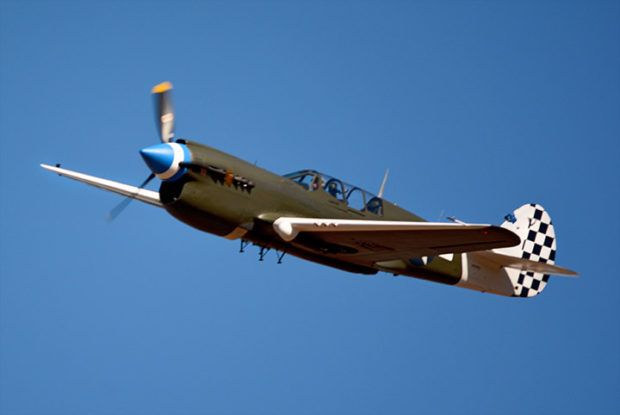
(229, 197)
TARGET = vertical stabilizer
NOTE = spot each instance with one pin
(533, 225)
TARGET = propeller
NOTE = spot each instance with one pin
(164, 119)
(164, 112)
(113, 213)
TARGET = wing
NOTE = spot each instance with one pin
(371, 241)
(143, 195)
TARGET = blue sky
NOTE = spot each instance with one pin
(476, 108)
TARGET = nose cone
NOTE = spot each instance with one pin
(159, 157)
(163, 160)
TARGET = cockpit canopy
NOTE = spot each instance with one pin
(353, 196)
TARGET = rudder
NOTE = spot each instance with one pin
(533, 225)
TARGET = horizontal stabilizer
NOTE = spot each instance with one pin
(143, 195)
(522, 264)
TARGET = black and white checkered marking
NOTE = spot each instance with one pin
(538, 245)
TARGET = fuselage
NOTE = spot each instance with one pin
(229, 197)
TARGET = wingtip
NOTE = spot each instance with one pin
(51, 168)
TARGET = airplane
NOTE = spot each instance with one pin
(320, 218)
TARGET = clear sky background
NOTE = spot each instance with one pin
(476, 108)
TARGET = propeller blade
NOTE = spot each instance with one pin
(164, 112)
(112, 214)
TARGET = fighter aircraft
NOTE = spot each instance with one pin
(323, 219)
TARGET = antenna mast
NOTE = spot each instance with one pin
(383, 184)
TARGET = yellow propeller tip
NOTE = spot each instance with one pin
(163, 87)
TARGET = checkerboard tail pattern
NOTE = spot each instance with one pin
(533, 225)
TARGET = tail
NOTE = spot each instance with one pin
(522, 270)
(533, 225)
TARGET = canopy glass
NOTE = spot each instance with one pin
(353, 196)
